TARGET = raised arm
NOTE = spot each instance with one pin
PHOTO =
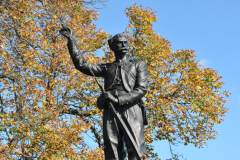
(80, 63)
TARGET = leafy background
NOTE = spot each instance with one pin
(38, 80)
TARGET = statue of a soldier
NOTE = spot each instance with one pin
(125, 83)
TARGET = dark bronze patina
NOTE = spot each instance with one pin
(125, 83)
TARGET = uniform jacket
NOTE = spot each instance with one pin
(134, 74)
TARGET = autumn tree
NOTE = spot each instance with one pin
(184, 99)
(39, 85)
(47, 105)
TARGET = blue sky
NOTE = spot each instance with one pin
(212, 29)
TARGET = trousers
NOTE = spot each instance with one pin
(114, 139)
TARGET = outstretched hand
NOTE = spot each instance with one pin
(65, 31)
(108, 96)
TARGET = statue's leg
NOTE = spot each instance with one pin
(113, 137)
(133, 114)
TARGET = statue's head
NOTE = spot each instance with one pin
(118, 44)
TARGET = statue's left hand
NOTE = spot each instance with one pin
(108, 96)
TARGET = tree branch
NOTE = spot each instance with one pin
(76, 112)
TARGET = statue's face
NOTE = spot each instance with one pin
(120, 46)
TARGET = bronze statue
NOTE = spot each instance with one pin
(125, 84)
